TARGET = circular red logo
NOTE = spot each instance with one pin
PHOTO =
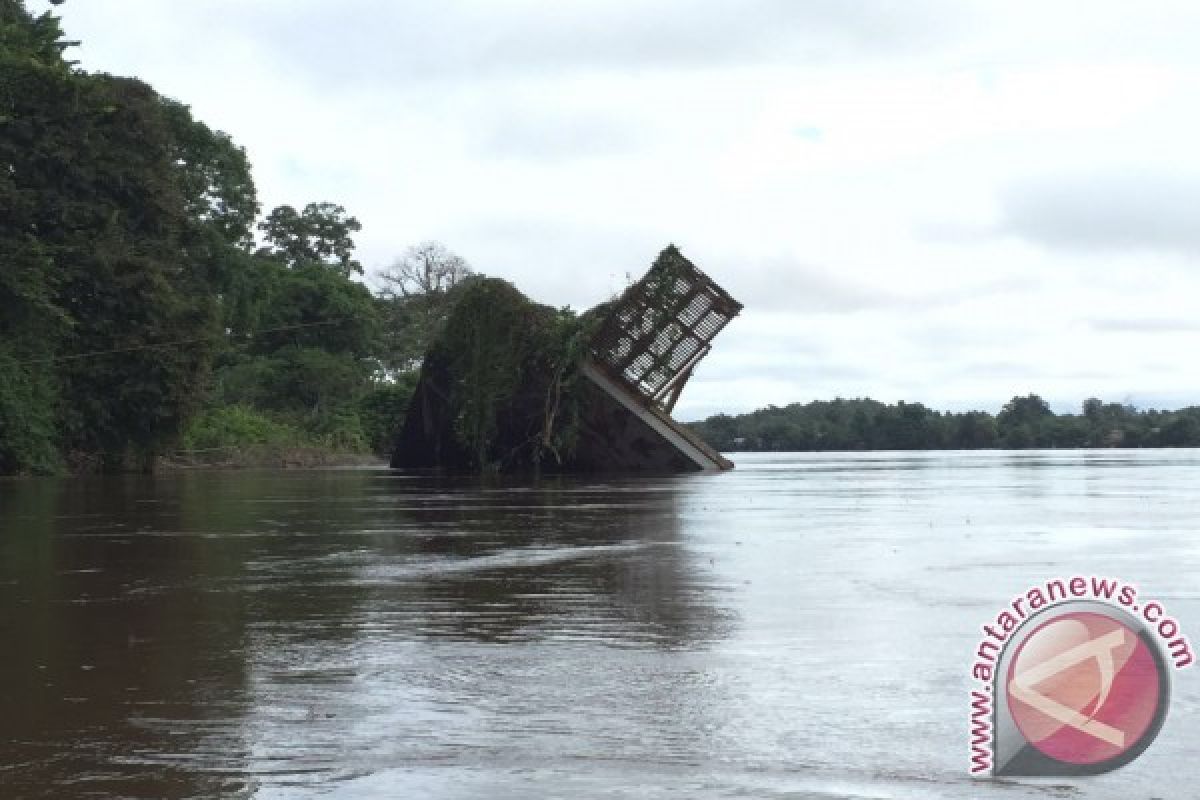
(1084, 688)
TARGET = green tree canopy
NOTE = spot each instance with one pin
(322, 233)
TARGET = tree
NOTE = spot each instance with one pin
(1182, 431)
(973, 430)
(309, 342)
(720, 431)
(128, 271)
(320, 234)
(36, 84)
(415, 300)
(1025, 422)
(310, 306)
(214, 176)
(425, 269)
(97, 260)
(1030, 408)
(137, 298)
(382, 411)
(39, 39)
(908, 426)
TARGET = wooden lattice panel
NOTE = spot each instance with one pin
(662, 326)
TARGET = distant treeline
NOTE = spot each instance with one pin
(1024, 422)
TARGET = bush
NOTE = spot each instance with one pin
(341, 431)
(381, 412)
(28, 437)
(236, 427)
(498, 388)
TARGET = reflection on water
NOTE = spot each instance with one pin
(800, 627)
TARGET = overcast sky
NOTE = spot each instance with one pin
(944, 202)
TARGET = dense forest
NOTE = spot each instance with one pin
(148, 305)
(1024, 422)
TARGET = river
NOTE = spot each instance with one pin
(801, 627)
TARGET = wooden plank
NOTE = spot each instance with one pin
(674, 434)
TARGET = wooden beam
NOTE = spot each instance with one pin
(683, 440)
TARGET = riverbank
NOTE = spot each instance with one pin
(264, 457)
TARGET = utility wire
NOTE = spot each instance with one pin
(176, 343)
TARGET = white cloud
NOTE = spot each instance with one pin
(1140, 210)
(915, 201)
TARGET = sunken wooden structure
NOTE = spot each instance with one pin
(661, 327)
(510, 385)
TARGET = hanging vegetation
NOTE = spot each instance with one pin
(499, 386)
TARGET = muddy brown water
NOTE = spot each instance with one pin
(801, 627)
